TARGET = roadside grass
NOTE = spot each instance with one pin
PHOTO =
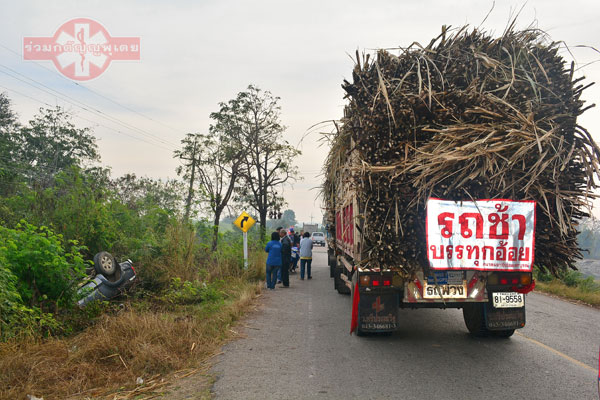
(569, 285)
(558, 288)
(157, 339)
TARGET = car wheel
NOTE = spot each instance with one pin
(105, 263)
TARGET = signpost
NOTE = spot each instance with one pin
(244, 222)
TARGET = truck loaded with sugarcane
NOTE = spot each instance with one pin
(456, 169)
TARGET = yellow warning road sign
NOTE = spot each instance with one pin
(244, 222)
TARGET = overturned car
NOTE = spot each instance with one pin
(109, 278)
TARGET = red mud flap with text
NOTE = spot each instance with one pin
(504, 318)
(378, 313)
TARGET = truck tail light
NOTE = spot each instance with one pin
(525, 279)
(492, 279)
(365, 280)
(387, 282)
(510, 279)
(414, 293)
(375, 281)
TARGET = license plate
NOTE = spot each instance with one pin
(508, 300)
(446, 278)
(445, 291)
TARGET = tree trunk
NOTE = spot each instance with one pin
(215, 240)
(263, 224)
(188, 202)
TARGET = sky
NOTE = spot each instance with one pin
(197, 54)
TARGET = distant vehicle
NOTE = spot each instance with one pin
(318, 238)
(109, 279)
(310, 228)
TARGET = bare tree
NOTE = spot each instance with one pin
(189, 154)
(252, 122)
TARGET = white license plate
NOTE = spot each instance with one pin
(508, 300)
(445, 291)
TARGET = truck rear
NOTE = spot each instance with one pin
(471, 266)
(456, 168)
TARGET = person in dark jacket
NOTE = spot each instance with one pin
(286, 254)
(273, 259)
(295, 239)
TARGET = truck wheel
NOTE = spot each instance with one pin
(475, 319)
(504, 334)
(332, 263)
(339, 284)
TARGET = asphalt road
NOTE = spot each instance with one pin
(297, 346)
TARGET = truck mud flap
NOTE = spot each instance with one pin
(378, 313)
(503, 318)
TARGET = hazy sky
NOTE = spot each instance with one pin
(196, 54)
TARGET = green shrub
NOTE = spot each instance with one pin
(588, 285)
(543, 275)
(190, 292)
(17, 320)
(46, 274)
(571, 278)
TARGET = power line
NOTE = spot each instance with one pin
(85, 119)
(84, 105)
(112, 119)
(93, 91)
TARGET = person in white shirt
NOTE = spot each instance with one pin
(306, 246)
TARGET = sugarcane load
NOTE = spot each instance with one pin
(456, 168)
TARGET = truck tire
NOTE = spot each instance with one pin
(339, 284)
(504, 334)
(332, 263)
(475, 319)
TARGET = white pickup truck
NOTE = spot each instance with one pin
(318, 238)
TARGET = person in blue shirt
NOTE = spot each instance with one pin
(273, 259)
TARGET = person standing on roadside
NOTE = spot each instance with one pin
(273, 260)
(286, 254)
(295, 239)
(278, 230)
(306, 246)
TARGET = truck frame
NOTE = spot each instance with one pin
(383, 292)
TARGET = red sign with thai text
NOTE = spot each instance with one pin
(483, 235)
(81, 49)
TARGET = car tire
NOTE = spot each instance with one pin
(105, 263)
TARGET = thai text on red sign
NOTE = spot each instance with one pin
(484, 235)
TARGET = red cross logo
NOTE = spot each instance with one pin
(81, 49)
(378, 305)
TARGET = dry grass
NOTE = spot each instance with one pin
(110, 356)
(558, 288)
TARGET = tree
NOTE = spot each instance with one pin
(10, 168)
(51, 143)
(218, 161)
(288, 219)
(141, 193)
(189, 152)
(252, 120)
